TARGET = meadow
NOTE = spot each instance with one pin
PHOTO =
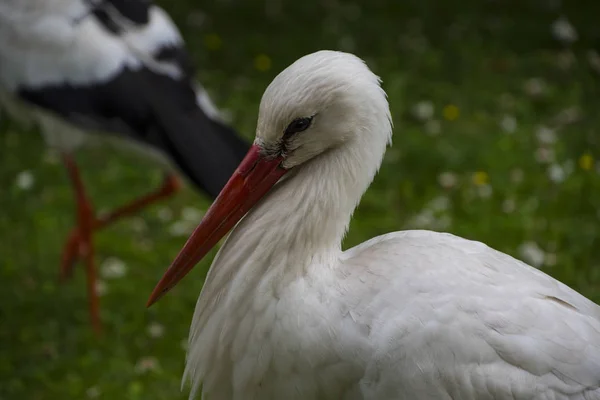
(497, 130)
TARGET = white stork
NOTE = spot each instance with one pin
(88, 70)
(286, 314)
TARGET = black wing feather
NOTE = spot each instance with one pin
(136, 11)
(156, 110)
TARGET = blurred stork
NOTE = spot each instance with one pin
(88, 70)
(286, 314)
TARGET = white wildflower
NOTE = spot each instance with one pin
(508, 124)
(25, 180)
(192, 214)
(93, 392)
(447, 180)
(146, 364)
(532, 254)
(138, 224)
(568, 116)
(440, 203)
(485, 191)
(424, 219)
(594, 60)
(165, 214)
(113, 268)
(544, 155)
(535, 87)
(155, 330)
(181, 228)
(545, 135)
(563, 31)
(101, 287)
(556, 173)
(423, 110)
(509, 205)
(433, 216)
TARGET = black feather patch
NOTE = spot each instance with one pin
(154, 109)
(137, 11)
(107, 22)
(178, 56)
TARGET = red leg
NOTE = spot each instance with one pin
(79, 242)
(83, 243)
(170, 186)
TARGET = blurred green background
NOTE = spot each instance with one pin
(495, 105)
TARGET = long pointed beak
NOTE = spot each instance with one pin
(249, 183)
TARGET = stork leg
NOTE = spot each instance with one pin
(169, 186)
(84, 244)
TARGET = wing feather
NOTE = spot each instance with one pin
(473, 323)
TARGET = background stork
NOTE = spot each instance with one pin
(88, 71)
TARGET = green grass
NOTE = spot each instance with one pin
(477, 58)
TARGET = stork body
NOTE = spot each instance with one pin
(117, 71)
(285, 313)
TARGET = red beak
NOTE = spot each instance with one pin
(249, 183)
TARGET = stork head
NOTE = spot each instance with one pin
(322, 101)
(319, 102)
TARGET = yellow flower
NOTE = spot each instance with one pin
(262, 62)
(586, 161)
(213, 41)
(480, 178)
(451, 112)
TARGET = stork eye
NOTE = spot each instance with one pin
(298, 125)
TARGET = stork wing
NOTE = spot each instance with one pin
(453, 318)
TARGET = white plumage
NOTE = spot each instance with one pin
(286, 314)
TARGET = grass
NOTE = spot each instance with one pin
(481, 166)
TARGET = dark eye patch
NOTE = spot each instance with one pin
(298, 125)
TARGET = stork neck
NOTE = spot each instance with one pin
(321, 197)
(307, 214)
